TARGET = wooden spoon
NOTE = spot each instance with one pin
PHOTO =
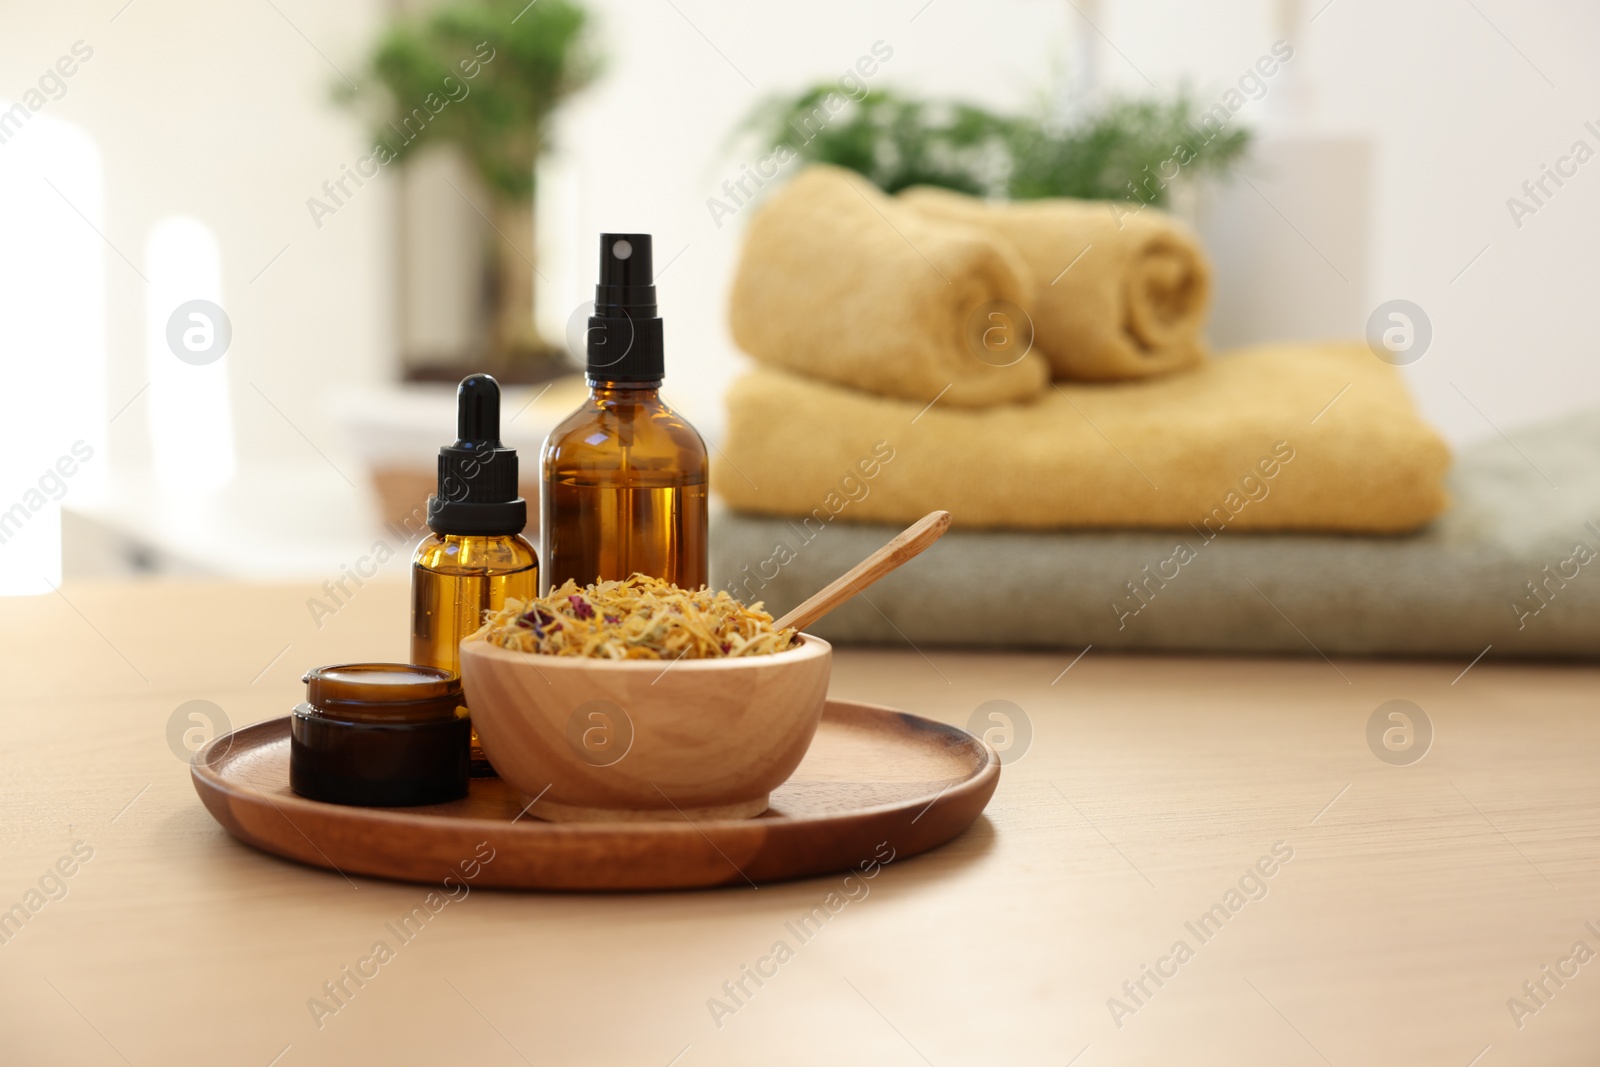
(907, 544)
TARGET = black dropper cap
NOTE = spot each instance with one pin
(624, 341)
(477, 495)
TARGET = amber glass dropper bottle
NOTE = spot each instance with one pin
(476, 556)
(625, 477)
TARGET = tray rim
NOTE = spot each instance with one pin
(214, 787)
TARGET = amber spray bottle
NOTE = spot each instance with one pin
(625, 477)
(477, 556)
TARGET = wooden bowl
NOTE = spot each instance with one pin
(607, 740)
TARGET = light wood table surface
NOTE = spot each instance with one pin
(1417, 902)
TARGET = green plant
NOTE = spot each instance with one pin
(484, 76)
(540, 56)
(899, 141)
(893, 140)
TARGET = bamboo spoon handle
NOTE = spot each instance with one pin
(907, 544)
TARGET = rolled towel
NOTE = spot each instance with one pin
(840, 282)
(1117, 292)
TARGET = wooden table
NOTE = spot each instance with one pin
(1417, 901)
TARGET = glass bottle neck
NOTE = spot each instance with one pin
(625, 392)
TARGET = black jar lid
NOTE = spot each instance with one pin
(380, 734)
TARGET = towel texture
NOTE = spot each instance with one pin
(841, 283)
(1514, 564)
(1293, 437)
(1117, 293)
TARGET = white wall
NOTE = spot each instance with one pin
(221, 112)
(1459, 119)
(1455, 96)
(650, 144)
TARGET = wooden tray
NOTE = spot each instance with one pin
(875, 779)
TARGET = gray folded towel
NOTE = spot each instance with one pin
(1514, 564)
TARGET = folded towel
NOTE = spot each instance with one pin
(842, 283)
(1292, 437)
(1118, 292)
(1514, 564)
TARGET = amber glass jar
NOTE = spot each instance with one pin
(380, 734)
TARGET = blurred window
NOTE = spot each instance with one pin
(187, 335)
(52, 339)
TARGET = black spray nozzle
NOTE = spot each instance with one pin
(477, 491)
(626, 270)
(625, 338)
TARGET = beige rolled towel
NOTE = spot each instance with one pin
(839, 282)
(1119, 291)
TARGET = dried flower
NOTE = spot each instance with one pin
(643, 618)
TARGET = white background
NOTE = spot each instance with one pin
(222, 112)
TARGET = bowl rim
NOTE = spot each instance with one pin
(810, 647)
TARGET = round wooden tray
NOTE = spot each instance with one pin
(874, 780)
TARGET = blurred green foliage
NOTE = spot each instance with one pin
(528, 59)
(899, 141)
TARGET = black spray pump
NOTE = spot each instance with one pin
(477, 493)
(624, 340)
